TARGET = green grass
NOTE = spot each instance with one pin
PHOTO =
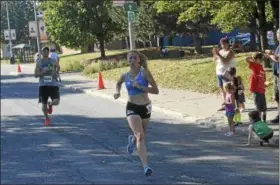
(194, 75)
(5, 61)
(189, 74)
(73, 62)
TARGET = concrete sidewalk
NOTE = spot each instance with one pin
(191, 106)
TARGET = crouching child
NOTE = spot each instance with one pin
(259, 127)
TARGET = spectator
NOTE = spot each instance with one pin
(224, 59)
(274, 57)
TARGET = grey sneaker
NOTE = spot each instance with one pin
(148, 171)
(131, 144)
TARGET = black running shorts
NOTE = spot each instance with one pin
(144, 111)
(46, 92)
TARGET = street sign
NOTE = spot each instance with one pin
(42, 29)
(131, 16)
(121, 2)
(130, 7)
(118, 3)
(7, 34)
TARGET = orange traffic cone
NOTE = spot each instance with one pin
(100, 82)
(18, 69)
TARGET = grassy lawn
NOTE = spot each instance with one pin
(194, 75)
(72, 62)
(5, 61)
(190, 74)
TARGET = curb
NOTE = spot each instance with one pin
(16, 73)
(206, 122)
(124, 101)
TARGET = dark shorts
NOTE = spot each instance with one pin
(46, 92)
(276, 88)
(266, 138)
(229, 114)
(260, 101)
(144, 111)
(240, 98)
(221, 80)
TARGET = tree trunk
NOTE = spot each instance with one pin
(258, 39)
(252, 25)
(197, 44)
(261, 24)
(153, 41)
(275, 13)
(124, 44)
(253, 43)
(102, 46)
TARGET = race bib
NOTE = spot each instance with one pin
(149, 108)
(47, 78)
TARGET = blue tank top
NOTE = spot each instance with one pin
(50, 78)
(140, 79)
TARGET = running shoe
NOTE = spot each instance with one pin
(230, 134)
(47, 122)
(131, 144)
(147, 171)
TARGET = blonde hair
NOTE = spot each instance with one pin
(142, 57)
(229, 86)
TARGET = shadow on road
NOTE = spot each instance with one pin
(178, 152)
(26, 90)
(13, 77)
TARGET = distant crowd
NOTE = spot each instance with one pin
(232, 89)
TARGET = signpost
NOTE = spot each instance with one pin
(10, 36)
(7, 34)
(130, 7)
(37, 29)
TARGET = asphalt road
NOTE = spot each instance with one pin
(86, 144)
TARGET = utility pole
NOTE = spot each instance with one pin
(10, 35)
(38, 30)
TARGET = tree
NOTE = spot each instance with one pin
(143, 19)
(145, 25)
(79, 22)
(20, 12)
(192, 18)
(254, 14)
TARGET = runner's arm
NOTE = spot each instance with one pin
(152, 82)
(119, 84)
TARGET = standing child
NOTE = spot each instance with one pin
(259, 127)
(257, 83)
(230, 107)
(241, 95)
(238, 93)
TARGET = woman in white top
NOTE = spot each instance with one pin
(224, 59)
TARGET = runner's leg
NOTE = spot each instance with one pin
(136, 126)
